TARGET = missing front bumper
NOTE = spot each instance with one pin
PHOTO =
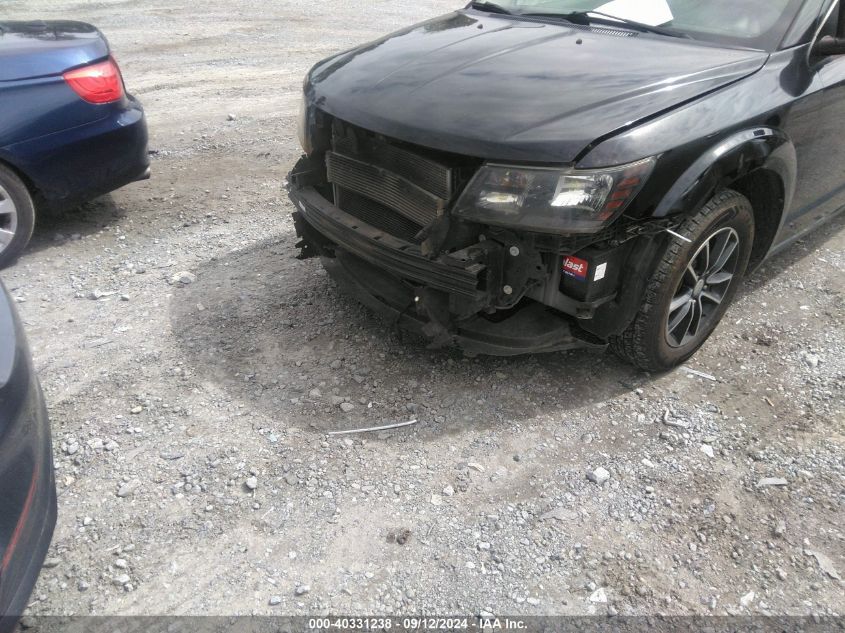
(454, 299)
(532, 329)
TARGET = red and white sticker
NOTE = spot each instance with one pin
(575, 267)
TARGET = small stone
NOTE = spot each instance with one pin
(49, 563)
(707, 450)
(647, 463)
(768, 482)
(782, 575)
(599, 596)
(251, 483)
(183, 278)
(448, 491)
(476, 467)
(121, 563)
(122, 580)
(336, 364)
(747, 599)
(436, 500)
(127, 489)
(82, 586)
(346, 407)
(232, 117)
(301, 590)
(812, 360)
(598, 476)
(275, 600)
(484, 546)
(780, 528)
(136, 410)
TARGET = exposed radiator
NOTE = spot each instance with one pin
(389, 187)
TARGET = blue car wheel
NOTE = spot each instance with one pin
(17, 216)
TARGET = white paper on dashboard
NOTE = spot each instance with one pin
(651, 12)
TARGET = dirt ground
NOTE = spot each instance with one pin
(170, 401)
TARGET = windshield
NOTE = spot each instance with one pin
(746, 23)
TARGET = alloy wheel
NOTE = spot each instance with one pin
(703, 288)
(8, 219)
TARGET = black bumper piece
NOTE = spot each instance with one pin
(383, 250)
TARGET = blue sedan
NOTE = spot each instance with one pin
(27, 483)
(69, 131)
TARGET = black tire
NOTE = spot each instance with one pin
(14, 191)
(649, 342)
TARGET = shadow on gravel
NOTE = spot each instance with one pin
(266, 328)
(52, 228)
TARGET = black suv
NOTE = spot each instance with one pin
(539, 175)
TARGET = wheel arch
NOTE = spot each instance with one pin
(27, 181)
(759, 163)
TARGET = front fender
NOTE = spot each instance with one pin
(724, 163)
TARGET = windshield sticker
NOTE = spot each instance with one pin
(653, 12)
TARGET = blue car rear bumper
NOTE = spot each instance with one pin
(69, 167)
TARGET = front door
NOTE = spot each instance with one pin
(820, 190)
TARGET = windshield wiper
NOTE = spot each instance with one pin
(585, 17)
(491, 7)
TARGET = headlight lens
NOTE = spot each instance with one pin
(303, 124)
(548, 200)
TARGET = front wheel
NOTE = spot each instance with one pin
(692, 287)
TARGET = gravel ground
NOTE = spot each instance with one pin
(193, 369)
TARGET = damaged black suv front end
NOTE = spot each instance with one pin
(511, 180)
(497, 259)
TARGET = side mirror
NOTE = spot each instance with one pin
(830, 46)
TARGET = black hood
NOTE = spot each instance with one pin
(503, 88)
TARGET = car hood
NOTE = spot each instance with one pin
(45, 48)
(502, 88)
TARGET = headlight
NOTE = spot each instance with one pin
(549, 200)
(303, 124)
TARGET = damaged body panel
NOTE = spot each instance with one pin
(376, 212)
(463, 181)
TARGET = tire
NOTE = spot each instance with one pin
(685, 284)
(17, 216)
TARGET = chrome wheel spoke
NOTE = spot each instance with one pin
(6, 237)
(728, 248)
(695, 321)
(692, 275)
(717, 279)
(678, 320)
(7, 207)
(711, 296)
(679, 301)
